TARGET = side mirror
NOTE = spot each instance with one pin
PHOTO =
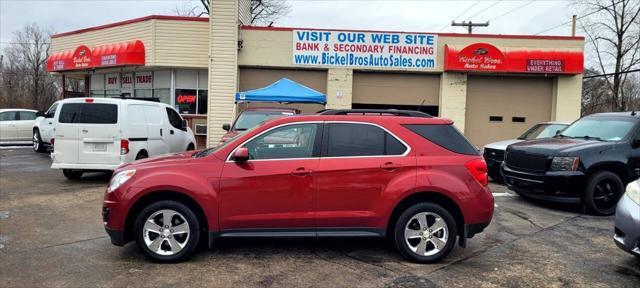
(226, 126)
(184, 124)
(636, 143)
(241, 154)
(558, 132)
(41, 114)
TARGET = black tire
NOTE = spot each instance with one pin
(190, 147)
(603, 191)
(38, 146)
(404, 221)
(72, 174)
(142, 155)
(190, 243)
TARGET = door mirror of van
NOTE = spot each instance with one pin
(241, 155)
(636, 143)
(226, 126)
(41, 114)
(184, 125)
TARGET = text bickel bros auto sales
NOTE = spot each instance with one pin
(364, 49)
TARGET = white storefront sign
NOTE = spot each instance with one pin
(144, 80)
(127, 81)
(364, 49)
(112, 81)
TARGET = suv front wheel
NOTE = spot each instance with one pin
(425, 233)
(604, 189)
(167, 231)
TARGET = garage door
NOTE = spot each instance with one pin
(500, 108)
(395, 88)
(254, 78)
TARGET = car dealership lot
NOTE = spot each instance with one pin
(51, 234)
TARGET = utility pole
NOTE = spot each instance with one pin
(470, 25)
(573, 26)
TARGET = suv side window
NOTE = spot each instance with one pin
(52, 110)
(291, 141)
(445, 136)
(353, 139)
(174, 118)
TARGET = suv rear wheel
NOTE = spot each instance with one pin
(425, 233)
(604, 189)
(167, 231)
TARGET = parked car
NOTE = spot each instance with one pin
(494, 152)
(408, 176)
(589, 162)
(627, 227)
(252, 117)
(103, 133)
(15, 124)
(42, 130)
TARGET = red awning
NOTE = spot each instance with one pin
(111, 55)
(485, 57)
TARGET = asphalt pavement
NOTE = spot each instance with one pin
(51, 235)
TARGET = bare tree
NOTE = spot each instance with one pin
(263, 12)
(613, 32)
(24, 80)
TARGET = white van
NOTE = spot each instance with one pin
(103, 133)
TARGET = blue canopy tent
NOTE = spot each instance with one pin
(283, 91)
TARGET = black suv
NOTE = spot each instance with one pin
(590, 162)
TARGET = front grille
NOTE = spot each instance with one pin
(528, 162)
(494, 154)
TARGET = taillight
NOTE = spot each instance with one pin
(478, 169)
(124, 146)
(53, 141)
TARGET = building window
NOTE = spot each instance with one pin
(203, 96)
(164, 94)
(518, 119)
(495, 118)
(186, 101)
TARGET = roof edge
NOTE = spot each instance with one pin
(505, 36)
(131, 21)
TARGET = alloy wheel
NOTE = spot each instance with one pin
(606, 194)
(36, 142)
(426, 233)
(166, 232)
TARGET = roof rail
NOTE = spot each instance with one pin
(381, 112)
(152, 99)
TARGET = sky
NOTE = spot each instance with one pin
(505, 16)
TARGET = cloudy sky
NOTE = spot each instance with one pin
(505, 16)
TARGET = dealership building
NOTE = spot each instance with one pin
(493, 86)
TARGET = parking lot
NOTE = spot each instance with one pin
(51, 235)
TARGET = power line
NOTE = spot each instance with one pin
(463, 12)
(585, 15)
(512, 10)
(611, 74)
(485, 9)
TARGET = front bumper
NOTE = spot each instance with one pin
(627, 226)
(557, 186)
(117, 236)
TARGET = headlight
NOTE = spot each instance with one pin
(565, 163)
(120, 178)
(633, 192)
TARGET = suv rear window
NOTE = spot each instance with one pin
(89, 113)
(446, 136)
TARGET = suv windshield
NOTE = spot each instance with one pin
(599, 128)
(250, 119)
(542, 131)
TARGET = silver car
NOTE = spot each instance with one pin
(627, 229)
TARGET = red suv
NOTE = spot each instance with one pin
(340, 173)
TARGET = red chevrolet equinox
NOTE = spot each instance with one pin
(339, 173)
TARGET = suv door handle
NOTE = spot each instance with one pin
(160, 131)
(301, 172)
(390, 166)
